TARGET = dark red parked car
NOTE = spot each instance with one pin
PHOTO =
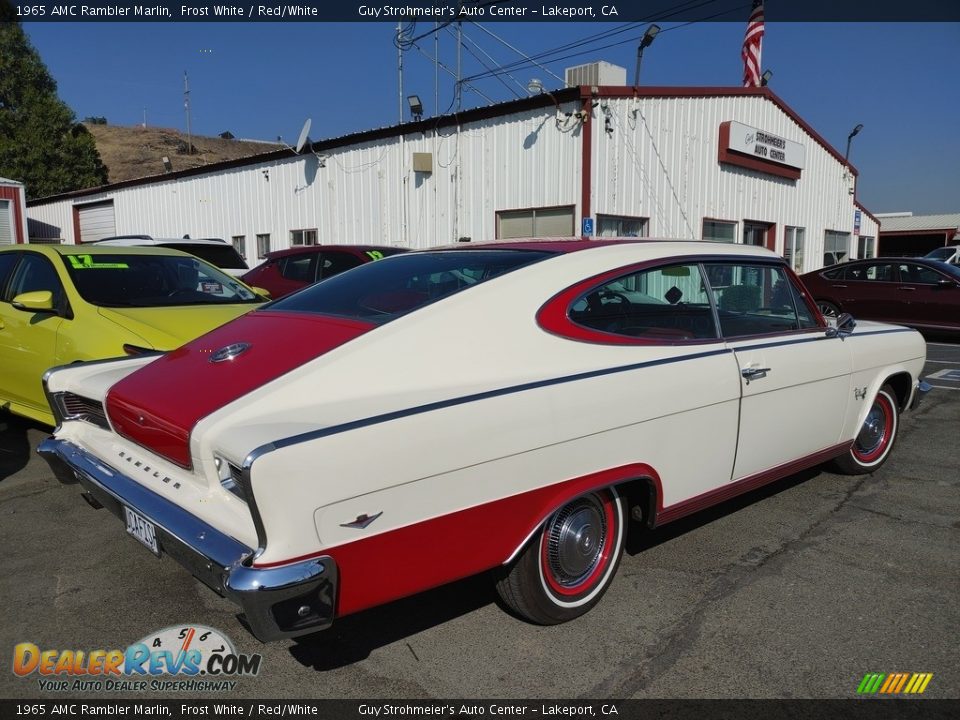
(285, 271)
(922, 293)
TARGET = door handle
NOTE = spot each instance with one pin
(838, 286)
(906, 289)
(754, 373)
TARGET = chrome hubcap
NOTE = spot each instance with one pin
(871, 434)
(575, 540)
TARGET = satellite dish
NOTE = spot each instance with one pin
(304, 136)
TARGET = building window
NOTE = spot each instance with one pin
(303, 237)
(866, 247)
(836, 247)
(263, 245)
(622, 226)
(536, 222)
(240, 245)
(793, 247)
(719, 231)
(758, 234)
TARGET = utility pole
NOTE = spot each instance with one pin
(458, 91)
(400, 69)
(186, 107)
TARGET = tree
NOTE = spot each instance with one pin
(41, 144)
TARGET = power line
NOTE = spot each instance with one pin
(554, 54)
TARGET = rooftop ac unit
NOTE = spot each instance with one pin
(596, 73)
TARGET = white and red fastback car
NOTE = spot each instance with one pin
(509, 406)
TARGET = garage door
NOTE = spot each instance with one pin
(96, 221)
(6, 223)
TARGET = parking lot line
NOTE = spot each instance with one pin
(945, 387)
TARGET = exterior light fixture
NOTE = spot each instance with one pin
(535, 87)
(645, 42)
(850, 137)
(416, 107)
(765, 78)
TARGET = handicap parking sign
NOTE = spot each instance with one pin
(586, 226)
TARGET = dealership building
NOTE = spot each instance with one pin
(717, 163)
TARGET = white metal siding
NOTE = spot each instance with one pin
(655, 158)
(661, 161)
(365, 193)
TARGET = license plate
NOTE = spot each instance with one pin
(142, 529)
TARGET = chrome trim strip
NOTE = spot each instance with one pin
(265, 595)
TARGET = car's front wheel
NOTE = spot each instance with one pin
(569, 563)
(874, 441)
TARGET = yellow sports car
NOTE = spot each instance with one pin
(66, 303)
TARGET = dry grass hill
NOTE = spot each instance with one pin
(134, 152)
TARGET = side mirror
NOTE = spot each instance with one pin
(36, 301)
(262, 292)
(947, 283)
(845, 325)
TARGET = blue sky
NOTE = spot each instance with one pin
(262, 80)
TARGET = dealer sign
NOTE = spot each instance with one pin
(765, 145)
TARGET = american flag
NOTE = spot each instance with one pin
(751, 46)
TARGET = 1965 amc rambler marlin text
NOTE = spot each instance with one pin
(505, 406)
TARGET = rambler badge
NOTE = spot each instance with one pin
(229, 352)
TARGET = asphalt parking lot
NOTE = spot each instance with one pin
(796, 590)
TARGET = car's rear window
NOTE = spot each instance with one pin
(381, 291)
(223, 256)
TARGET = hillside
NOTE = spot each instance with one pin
(133, 152)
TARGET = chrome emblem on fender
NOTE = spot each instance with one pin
(229, 352)
(362, 521)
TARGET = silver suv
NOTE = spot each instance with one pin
(214, 250)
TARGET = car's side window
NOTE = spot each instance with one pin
(36, 273)
(7, 262)
(835, 274)
(334, 263)
(298, 267)
(876, 272)
(756, 300)
(918, 275)
(666, 303)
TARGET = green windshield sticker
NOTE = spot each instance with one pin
(85, 262)
(375, 254)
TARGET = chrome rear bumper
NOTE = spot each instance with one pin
(278, 602)
(919, 392)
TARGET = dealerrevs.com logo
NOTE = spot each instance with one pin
(188, 658)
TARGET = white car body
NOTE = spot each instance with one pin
(447, 441)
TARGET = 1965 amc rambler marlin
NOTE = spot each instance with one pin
(508, 406)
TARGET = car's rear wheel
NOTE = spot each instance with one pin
(828, 309)
(570, 561)
(876, 436)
